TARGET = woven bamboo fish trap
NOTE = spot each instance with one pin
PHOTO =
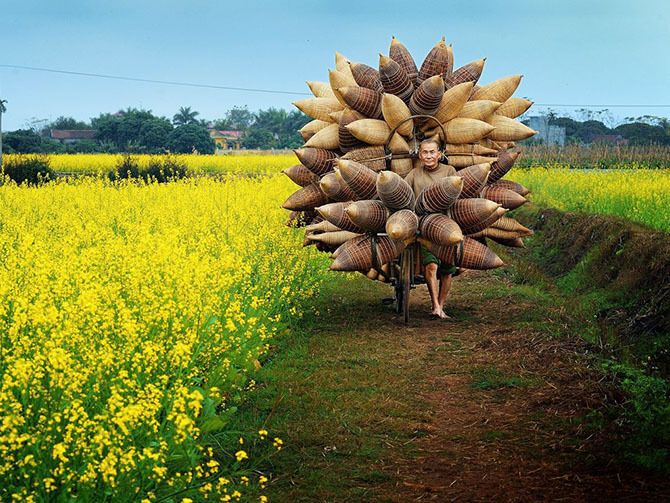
(333, 238)
(502, 165)
(363, 100)
(347, 141)
(505, 197)
(452, 102)
(360, 179)
(327, 138)
(366, 76)
(322, 226)
(465, 161)
(402, 225)
(317, 160)
(514, 107)
(319, 108)
(306, 198)
(467, 73)
(396, 114)
(426, 99)
(479, 109)
(372, 157)
(311, 128)
(474, 179)
(509, 184)
(509, 224)
(500, 90)
(366, 253)
(370, 131)
(470, 255)
(399, 53)
(394, 192)
(300, 175)
(335, 190)
(440, 229)
(335, 214)
(364, 138)
(370, 215)
(439, 61)
(395, 79)
(440, 196)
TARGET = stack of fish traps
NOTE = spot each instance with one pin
(363, 140)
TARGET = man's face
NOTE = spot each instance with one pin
(429, 155)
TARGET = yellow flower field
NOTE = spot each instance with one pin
(130, 316)
(640, 195)
(222, 164)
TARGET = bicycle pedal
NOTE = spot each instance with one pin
(387, 301)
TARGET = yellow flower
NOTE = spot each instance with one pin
(241, 455)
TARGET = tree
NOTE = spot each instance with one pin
(237, 119)
(154, 134)
(189, 138)
(185, 116)
(639, 133)
(23, 141)
(68, 123)
(130, 130)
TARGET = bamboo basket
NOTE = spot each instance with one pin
(333, 238)
(317, 160)
(311, 128)
(370, 215)
(402, 225)
(395, 79)
(363, 100)
(335, 214)
(506, 198)
(439, 196)
(439, 61)
(467, 73)
(300, 175)
(370, 131)
(335, 189)
(471, 255)
(514, 107)
(509, 224)
(440, 229)
(500, 90)
(500, 167)
(306, 198)
(396, 114)
(319, 108)
(360, 179)
(346, 139)
(474, 179)
(372, 157)
(399, 53)
(361, 256)
(464, 161)
(327, 138)
(427, 97)
(452, 102)
(479, 109)
(394, 192)
(470, 213)
(507, 129)
(509, 184)
(320, 89)
(366, 76)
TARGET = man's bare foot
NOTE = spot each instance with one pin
(439, 313)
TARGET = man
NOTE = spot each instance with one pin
(419, 178)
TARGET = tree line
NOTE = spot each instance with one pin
(141, 131)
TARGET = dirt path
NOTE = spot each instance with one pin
(491, 406)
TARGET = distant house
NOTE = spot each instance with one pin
(549, 134)
(610, 139)
(73, 135)
(226, 140)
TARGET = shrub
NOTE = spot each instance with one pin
(164, 168)
(127, 167)
(32, 169)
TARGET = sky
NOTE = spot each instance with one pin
(570, 52)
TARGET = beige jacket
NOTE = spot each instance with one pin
(420, 178)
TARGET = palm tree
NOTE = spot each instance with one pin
(2, 110)
(185, 116)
